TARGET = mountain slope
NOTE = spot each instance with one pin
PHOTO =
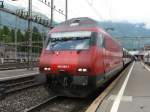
(122, 29)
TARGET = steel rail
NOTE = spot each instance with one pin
(38, 106)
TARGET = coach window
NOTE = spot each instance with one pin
(100, 40)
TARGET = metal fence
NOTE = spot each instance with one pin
(14, 38)
(133, 43)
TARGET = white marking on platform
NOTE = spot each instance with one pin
(19, 76)
(124, 98)
(145, 66)
(117, 100)
(13, 70)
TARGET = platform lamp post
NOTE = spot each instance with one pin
(30, 34)
(16, 29)
(1, 6)
(66, 10)
(52, 10)
(1, 17)
(16, 40)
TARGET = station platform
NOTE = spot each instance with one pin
(131, 93)
(9, 74)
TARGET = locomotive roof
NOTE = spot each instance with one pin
(77, 23)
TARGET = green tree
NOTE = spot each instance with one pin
(1, 38)
(21, 39)
(20, 36)
(6, 34)
(36, 38)
(12, 34)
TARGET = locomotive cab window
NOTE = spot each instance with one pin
(100, 40)
(79, 40)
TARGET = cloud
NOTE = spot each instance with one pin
(136, 11)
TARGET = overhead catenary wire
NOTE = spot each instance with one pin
(54, 8)
(95, 10)
(91, 2)
(110, 8)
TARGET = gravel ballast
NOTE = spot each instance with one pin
(19, 101)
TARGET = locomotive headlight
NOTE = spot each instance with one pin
(47, 68)
(82, 70)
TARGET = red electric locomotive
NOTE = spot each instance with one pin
(79, 57)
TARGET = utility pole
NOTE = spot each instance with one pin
(66, 15)
(16, 38)
(30, 34)
(52, 7)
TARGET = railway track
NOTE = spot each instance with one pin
(60, 104)
(53, 102)
(16, 84)
(76, 104)
(39, 106)
(11, 66)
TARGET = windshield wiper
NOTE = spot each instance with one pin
(78, 51)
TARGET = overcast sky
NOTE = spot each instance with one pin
(115, 10)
